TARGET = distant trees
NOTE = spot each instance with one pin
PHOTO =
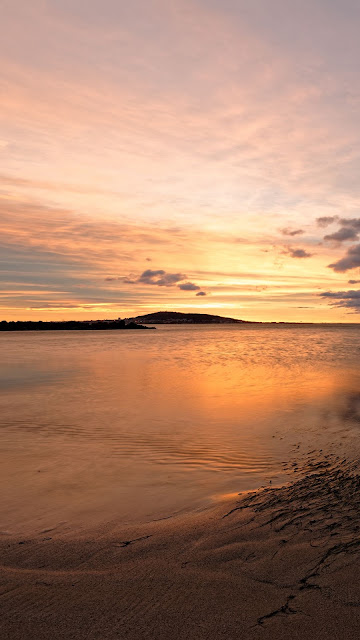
(68, 325)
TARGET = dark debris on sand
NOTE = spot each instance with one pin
(320, 510)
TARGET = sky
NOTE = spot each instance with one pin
(192, 155)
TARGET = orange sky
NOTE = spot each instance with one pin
(179, 155)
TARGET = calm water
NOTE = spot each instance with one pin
(141, 425)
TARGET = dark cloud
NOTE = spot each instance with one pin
(346, 299)
(188, 286)
(353, 223)
(349, 230)
(291, 232)
(201, 293)
(60, 305)
(350, 261)
(160, 278)
(353, 281)
(344, 295)
(343, 235)
(325, 221)
(297, 253)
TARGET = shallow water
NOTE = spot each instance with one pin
(142, 425)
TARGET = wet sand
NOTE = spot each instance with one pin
(277, 563)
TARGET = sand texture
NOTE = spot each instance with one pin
(279, 563)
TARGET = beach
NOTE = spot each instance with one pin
(276, 563)
(182, 483)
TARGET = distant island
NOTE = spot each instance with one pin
(70, 325)
(175, 317)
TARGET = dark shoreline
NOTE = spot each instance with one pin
(20, 325)
(71, 325)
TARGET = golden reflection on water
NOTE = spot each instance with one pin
(102, 427)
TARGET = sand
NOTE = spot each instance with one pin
(279, 563)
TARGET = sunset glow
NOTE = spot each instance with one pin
(195, 155)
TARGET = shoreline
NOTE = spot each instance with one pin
(280, 562)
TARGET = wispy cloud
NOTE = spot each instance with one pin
(292, 232)
(325, 221)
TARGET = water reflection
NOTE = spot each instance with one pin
(97, 427)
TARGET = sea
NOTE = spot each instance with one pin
(136, 426)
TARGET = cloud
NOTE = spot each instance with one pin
(347, 299)
(343, 235)
(353, 223)
(353, 281)
(126, 95)
(160, 278)
(325, 221)
(297, 253)
(201, 293)
(350, 261)
(71, 258)
(349, 230)
(344, 295)
(189, 286)
(82, 237)
(291, 232)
